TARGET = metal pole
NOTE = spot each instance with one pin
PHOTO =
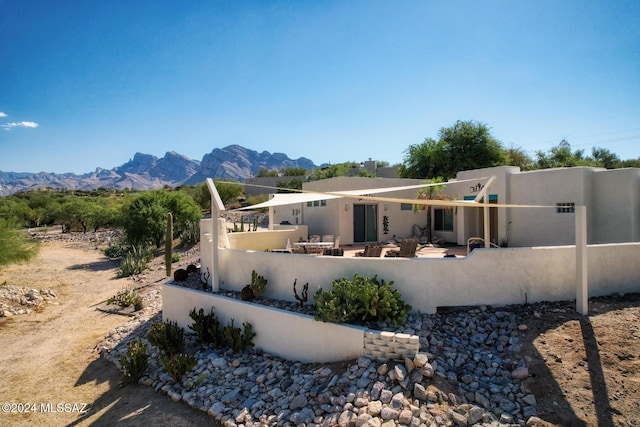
(582, 281)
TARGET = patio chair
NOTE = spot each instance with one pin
(314, 238)
(327, 238)
(407, 250)
(370, 251)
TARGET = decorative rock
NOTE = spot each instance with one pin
(298, 402)
(405, 416)
(520, 373)
(388, 413)
(375, 407)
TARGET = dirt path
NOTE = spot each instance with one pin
(48, 357)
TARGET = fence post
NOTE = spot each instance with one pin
(582, 280)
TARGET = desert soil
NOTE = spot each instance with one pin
(584, 371)
(49, 356)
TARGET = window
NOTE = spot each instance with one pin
(565, 207)
(443, 219)
(317, 203)
(406, 207)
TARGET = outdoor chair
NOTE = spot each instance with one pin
(370, 251)
(407, 249)
(314, 238)
(327, 238)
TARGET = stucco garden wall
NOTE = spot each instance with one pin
(288, 335)
(487, 276)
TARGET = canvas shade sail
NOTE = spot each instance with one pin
(370, 194)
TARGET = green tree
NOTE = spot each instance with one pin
(516, 156)
(144, 217)
(465, 145)
(432, 192)
(229, 192)
(605, 158)
(339, 169)
(15, 245)
(264, 173)
(561, 156)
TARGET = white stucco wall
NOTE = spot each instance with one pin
(487, 276)
(616, 215)
(288, 335)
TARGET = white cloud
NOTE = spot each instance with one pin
(3, 114)
(9, 126)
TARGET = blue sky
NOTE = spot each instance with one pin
(86, 84)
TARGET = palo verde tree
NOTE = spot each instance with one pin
(464, 146)
(15, 245)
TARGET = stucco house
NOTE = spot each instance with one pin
(612, 198)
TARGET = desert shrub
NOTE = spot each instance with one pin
(135, 260)
(360, 300)
(206, 327)
(167, 336)
(190, 235)
(125, 298)
(175, 257)
(236, 338)
(209, 330)
(178, 364)
(115, 249)
(134, 362)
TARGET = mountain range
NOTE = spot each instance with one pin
(145, 171)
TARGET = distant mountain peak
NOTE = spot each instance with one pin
(145, 171)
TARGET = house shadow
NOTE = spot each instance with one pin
(133, 404)
(553, 407)
(102, 265)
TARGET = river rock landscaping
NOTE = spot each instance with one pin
(469, 372)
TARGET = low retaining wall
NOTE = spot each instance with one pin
(292, 336)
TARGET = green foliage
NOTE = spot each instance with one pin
(144, 217)
(286, 186)
(360, 300)
(258, 284)
(267, 173)
(134, 362)
(127, 297)
(175, 257)
(167, 336)
(340, 169)
(177, 365)
(206, 327)
(229, 192)
(190, 235)
(209, 330)
(134, 260)
(168, 244)
(465, 145)
(15, 245)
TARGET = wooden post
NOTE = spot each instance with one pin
(582, 280)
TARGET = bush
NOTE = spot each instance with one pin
(168, 337)
(360, 300)
(134, 362)
(135, 260)
(206, 327)
(125, 298)
(178, 364)
(236, 338)
(15, 245)
(209, 330)
(115, 249)
(191, 234)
